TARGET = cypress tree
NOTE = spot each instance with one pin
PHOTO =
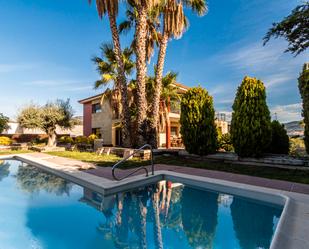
(280, 143)
(251, 122)
(197, 121)
(303, 85)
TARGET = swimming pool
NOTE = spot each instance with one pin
(39, 210)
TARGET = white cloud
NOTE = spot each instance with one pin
(9, 68)
(287, 113)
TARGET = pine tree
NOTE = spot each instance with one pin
(251, 123)
(280, 143)
(197, 121)
(303, 85)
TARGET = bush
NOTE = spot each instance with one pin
(297, 148)
(66, 140)
(5, 141)
(197, 121)
(92, 137)
(39, 141)
(225, 142)
(280, 143)
(251, 123)
(303, 85)
(82, 140)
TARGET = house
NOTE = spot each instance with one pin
(16, 129)
(101, 118)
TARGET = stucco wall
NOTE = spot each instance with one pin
(103, 120)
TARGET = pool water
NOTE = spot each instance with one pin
(40, 211)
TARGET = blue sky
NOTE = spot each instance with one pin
(46, 47)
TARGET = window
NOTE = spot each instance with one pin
(174, 131)
(97, 132)
(96, 108)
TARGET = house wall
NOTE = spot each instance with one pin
(87, 130)
(103, 120)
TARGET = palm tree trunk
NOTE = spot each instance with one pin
(141, 70)
(126, 118)
(158, 86)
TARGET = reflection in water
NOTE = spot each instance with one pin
(4, 169)
(164, 215)
(253, 224)
(32, 180)
(199, 216)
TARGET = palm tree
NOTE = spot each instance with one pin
(142, 8)
(169, 96)
(110, 7)
(107, 68)
(174, 24)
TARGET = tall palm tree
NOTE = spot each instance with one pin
(174, 24)
(142, 7)
(107, 68)
(110, 7)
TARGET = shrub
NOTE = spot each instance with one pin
(225, 142)
(297, 148)
(82, 140)
(5, 141)
(197, 121)
(66, 140)
(303, 85)
(251, 123)
(280, 143)
(4, 123)
(92, 137)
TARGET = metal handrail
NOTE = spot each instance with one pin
(140, 168)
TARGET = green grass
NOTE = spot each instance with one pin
(14, 152)
(296, 175)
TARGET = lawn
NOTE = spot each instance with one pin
(14, 152)
(301, 176)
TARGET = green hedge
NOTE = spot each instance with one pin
(280, 143)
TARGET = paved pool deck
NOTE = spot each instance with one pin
(106, 172)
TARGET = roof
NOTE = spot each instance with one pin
(89, 99)
(182, 88)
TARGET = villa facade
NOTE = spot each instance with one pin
(101, 118)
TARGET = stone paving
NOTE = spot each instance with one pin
(106, 172)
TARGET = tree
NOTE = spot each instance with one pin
(197, 121)
(4, 123)
(280, 143)
(110, 7)
(294, 28)
(108, 69)
(47, 118)
(174, 23)
(251, 123)
(303, 85)
(169, 96)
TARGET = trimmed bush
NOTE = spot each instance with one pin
(197, 119)
(82, 140)
(251, 123)
(5, 141)
(66, 140)
(280, 143)
(303, 85)
(92, 137)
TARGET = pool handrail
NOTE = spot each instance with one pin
(140, 168)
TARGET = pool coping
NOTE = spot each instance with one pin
(293, 227)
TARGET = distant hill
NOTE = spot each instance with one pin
(294, 128)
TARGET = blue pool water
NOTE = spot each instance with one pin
(40, 211)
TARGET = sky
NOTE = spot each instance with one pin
(46, 49)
